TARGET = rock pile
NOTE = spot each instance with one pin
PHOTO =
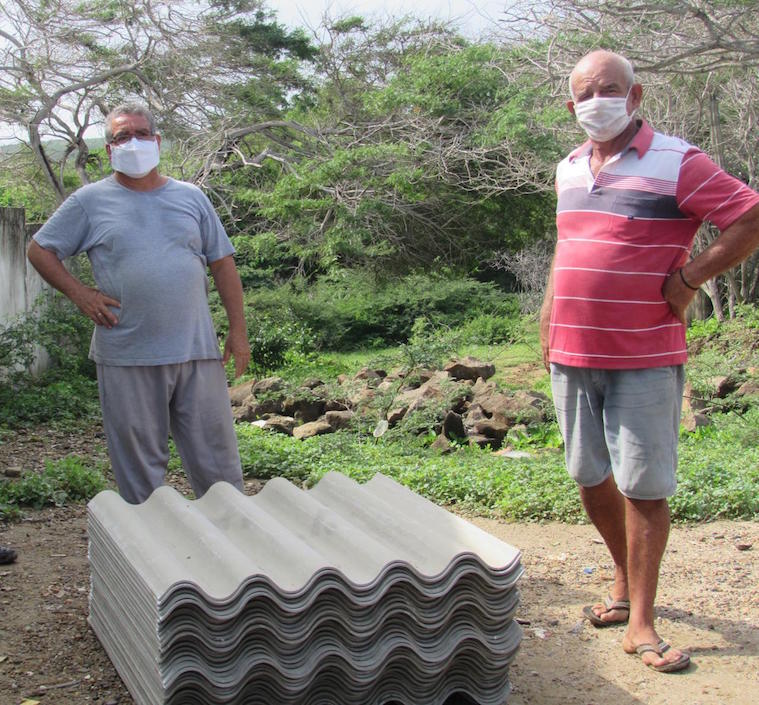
(464, 403)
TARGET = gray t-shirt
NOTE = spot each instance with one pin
(149, 250)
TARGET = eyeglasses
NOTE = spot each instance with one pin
(123, 137)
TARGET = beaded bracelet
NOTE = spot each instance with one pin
(682, 276)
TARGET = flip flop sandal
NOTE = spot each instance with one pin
(610, 604)
(661, 648)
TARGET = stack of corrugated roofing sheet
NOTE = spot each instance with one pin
(342, 594)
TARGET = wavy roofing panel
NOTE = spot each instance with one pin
(341, 594)
(288, 537)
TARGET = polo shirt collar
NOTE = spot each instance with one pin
(640, 143)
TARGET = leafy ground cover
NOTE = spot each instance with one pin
(718, 472)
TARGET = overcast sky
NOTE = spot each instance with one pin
(473, 17)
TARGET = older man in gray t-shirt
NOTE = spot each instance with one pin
(150, 240)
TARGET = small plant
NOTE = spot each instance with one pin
(545, 435)
(70, 479)
(701, 329)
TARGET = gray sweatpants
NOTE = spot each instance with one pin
(141, 405)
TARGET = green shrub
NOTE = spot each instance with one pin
(722, 350)
(70, 479)
(66, 391)
(349, 310)
(701, 329)
(42, 400)
(470, 478)
(491, 329)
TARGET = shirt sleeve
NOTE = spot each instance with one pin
(216, 242)
(65, 232)
(706, 192)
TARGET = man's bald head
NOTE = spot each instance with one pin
(604, 63)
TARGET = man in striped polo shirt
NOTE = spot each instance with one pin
(613, 324)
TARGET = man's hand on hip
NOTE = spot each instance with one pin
(95, 305)
(677, 294)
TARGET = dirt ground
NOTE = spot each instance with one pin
(708, 604)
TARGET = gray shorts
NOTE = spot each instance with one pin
(624, 422)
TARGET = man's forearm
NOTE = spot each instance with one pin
(51, 269)
(91, 302)
(229, 286)
(733, 246)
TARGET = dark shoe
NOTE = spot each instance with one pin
(7, 555)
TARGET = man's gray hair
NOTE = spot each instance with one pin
(133, 108)
(627, 68)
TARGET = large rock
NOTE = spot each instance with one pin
(312, 383)
(337, 405)
(724, 385)
(395, 415)
(268, 385)
(750, 388)
(442, 445)
(361, 399)
(259, 407)
(519, 407)
(304, 409)
(373, 377)
(691, 400)
(240, 392)
(481, 441)
(483, 388)
(242, 413)
(253, 409)
(453, 426)
(470, 368)
(494, 428)
(339, 419)
(691, 420)
(314, 428)
(475, 414)
(435, 388)
(280, 424)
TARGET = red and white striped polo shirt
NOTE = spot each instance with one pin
(619, 236)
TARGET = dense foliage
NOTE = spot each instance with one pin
(65, 392)
(349, 310)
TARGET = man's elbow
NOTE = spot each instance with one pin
(34, 252)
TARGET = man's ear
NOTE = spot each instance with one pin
(571, 106)
(636, 95)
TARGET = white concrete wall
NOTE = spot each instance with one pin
(20, 285)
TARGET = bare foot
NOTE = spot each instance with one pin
(656, 653)
(608, 612)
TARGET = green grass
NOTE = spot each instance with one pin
(718, 475)
(70, 479)
(470, 479)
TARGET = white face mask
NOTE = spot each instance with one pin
(603, 118)
(135, 158)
